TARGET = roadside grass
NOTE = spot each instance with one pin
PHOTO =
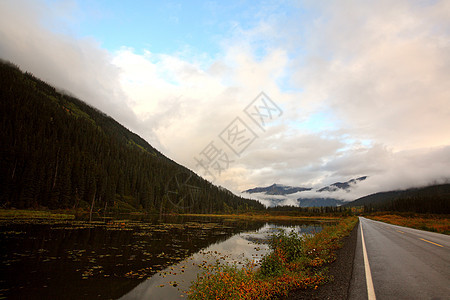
(295, 262)
(434, 223)
(33, 214)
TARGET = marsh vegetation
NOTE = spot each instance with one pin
(132, 257)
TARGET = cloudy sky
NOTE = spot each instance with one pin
(352, 88)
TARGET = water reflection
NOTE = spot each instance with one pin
(71, 260)
(173, 282)
(42, 259)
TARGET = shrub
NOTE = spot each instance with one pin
(295, 262)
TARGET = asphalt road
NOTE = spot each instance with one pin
(404, 263)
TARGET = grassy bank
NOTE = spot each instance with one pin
(435, 223)
(33, 214)
(71, 214)
(294, 263)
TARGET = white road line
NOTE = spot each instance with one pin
(370, 290)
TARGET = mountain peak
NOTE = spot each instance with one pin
(276, 189)
(342, 185)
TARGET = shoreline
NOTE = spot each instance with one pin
(71, 214)
(267, 217)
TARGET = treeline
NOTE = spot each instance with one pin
(58, 152)
(290, 210)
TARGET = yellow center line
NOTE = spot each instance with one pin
(431, 242)
(400, 231)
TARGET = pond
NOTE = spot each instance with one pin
(129, 259)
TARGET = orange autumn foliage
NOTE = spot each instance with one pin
(294, 263)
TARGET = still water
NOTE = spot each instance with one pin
(128, 259)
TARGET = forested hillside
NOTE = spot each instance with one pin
(432, 199)
(59, 152)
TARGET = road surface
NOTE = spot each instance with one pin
(403, 263)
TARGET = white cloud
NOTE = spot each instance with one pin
(78, 66)
(187, 104)
(383, 69)
(363, 88)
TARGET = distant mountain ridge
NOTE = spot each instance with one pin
(430, 199)
(342, 185)
(277, 189)
(305, 201)
(280, 189)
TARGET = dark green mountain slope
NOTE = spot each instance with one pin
(431, 199)
(59, 152)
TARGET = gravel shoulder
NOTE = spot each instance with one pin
(340, 270)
